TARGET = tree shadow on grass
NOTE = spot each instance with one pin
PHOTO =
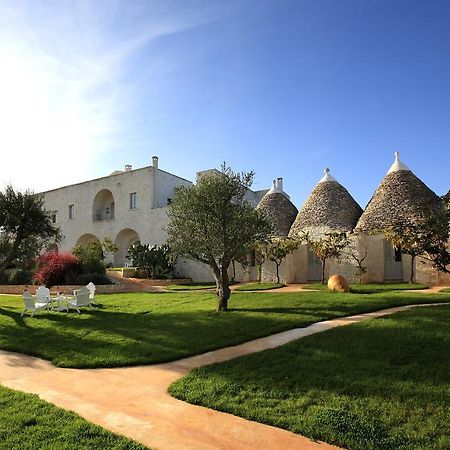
(18, 319)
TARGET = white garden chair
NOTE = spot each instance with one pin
(31, 306)
(43, 296)
(91, 288)
(80, 299)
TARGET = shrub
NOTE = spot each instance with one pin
(18, 276)
(56, 268)
(86, 278)
(91, 257)
(153, 262)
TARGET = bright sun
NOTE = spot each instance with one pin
(43, 122)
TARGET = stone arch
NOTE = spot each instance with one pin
(86, 239)
(124, 240)
(103, 206)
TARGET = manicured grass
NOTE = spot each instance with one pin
(28, 423)
(373, 288)
(259, 286)
(380, 384)
(145, 328)
(446, 291)
(190, 286)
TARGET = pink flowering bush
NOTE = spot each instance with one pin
(54, 268)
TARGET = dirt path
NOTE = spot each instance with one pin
(134, 401)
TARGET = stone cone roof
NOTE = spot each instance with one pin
(279, 210)
(446, 198)
(401, 195)
(329, 205)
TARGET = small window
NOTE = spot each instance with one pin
(133, 203)
(54, 217)
(398, 254)
(71, 211)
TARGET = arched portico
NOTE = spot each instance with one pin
(103, 206)
(86, 239)
(124, 240)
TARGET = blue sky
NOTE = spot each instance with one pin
(281, 87)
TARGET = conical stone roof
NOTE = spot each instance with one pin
(279, 210)
(401, 195)
(446, 197)
(330, 206)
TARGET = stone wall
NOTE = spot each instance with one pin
(99, 289)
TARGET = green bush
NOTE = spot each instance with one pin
(152, 262)
(86, 278)
(91, 258)
(16, 276)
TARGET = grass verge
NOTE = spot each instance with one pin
(259, 286)
(380, 384)
(373, 288)
(190, 286)
(146, 328)
(28, 423)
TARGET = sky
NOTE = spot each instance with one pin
(281, 87)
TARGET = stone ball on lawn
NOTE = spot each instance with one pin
(338, 283)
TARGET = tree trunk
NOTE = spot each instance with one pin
(233, 278)
(323, 270)
(411, 277)
(222, 288)
(278, 273)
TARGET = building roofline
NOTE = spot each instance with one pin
(112, 175)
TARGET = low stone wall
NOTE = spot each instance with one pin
(100, 289)
(164, 282)
(139, 285)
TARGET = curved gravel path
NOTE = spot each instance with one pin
(134, 401)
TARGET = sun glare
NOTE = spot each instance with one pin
(44, 123)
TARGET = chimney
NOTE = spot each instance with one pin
(155, 162)
(280, 183)
(128, 167)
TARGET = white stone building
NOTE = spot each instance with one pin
(127, 206)
(131, 205)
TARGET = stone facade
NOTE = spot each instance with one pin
(127, 206)
(131, 205)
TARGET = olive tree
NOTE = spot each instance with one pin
(211, 222)
(25, 226)
(329, 245)
(426, 236)
(277, 249)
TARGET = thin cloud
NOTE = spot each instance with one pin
(65, 86)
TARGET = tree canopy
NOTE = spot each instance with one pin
(211, 222)
(277, 249)
(25, 227)
(329, 245)
(427, 237)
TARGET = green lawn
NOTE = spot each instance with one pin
(28, 423)
(146, 328)
(446, 291)
(380, 384)
(374, 288)
(259, 286)
(190, 286)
